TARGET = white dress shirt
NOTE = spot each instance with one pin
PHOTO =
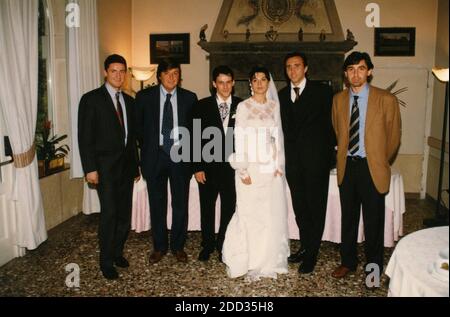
(228, 102)
(301, 86)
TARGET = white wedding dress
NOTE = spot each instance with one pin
(256, 241)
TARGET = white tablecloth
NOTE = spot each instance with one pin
(395, 207)
(410, 266)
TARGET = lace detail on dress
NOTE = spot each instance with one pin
(260, 111)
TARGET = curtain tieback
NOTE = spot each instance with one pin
(24, 159)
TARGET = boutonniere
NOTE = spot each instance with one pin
(233, 113)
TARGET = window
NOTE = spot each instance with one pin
(44, 101)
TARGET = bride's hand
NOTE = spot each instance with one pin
(247, 180)
(278, 173)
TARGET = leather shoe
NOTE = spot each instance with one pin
(341, 271)
(121, 262)
(110, 273)
(156, 256)
(204, 255)
(306, 268)
(181, 256)
(297, 257)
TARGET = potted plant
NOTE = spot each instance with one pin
(50, 155)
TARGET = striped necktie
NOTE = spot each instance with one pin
(119, 111)
(353, 145)
(297, 93)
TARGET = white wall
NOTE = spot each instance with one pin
(176, 16)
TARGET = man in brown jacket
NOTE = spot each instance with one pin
(367, 123)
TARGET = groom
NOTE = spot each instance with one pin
(216, 177)
(309, 141)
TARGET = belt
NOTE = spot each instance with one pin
(356, 158)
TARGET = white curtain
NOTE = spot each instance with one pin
(18, 103)
(83, 76)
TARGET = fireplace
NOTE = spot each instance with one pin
(241, 52)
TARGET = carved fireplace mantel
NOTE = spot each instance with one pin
(325, 59)
(242, 45)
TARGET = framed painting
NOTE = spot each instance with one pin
(174, 46)
(395, 41)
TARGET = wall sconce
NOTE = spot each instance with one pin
(440, 218)
(142, 74)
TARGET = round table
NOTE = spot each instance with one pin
(409, 267)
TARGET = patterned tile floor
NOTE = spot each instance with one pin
(42, 272)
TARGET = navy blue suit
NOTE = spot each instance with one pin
(157, 167)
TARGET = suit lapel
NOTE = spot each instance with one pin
(157, 110)
(301, 109)
(111, 107)
(180, 109)
(346, 109)
(215, 111)
(371, 108)
(233, 107)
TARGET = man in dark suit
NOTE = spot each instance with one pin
(309, 142)
(107, 142)
(214, 174)
(162, 110)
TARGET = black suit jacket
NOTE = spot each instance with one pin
(101, 139)
(308, 132)
(147, 117)
(207, 111)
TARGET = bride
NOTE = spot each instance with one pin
(256, 241)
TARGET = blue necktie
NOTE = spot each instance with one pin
(167, 125)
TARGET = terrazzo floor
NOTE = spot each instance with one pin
(42, 272)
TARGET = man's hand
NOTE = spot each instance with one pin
(200, 177)
(136, 179)
(278, 173)
(92, 178)
(247, 180)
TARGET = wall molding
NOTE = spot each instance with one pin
(436, 144)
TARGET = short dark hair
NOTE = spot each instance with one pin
(114, 58)
(165, 65)
(355, 57)
(258, 69)
(222, 69)
(296, 54)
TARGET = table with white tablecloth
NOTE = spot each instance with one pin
(415, 268)
(395, 207)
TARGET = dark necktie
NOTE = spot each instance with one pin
(223, 109)
(119, 111)
(297, 93)
(353, 145)
(167, 124)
